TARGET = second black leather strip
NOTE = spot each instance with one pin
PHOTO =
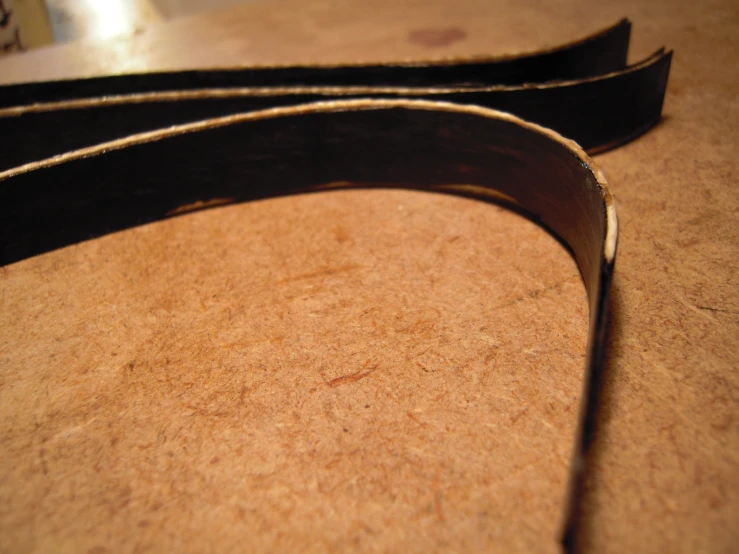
(598, 113)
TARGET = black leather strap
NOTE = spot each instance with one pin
(205, 138)
(595, 99)
(370, 143)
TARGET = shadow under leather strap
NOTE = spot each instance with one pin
(596, 100)
(371, 143)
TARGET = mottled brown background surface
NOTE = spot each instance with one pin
(384, 370)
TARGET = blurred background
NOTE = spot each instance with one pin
(27, 24)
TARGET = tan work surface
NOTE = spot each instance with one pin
(371, 371)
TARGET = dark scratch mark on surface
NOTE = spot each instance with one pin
(720, 310)
(352, 377)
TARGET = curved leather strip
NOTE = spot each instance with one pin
(413, 144)
(598, 112)
(600, 53)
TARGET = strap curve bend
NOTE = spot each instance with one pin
(342, 143)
